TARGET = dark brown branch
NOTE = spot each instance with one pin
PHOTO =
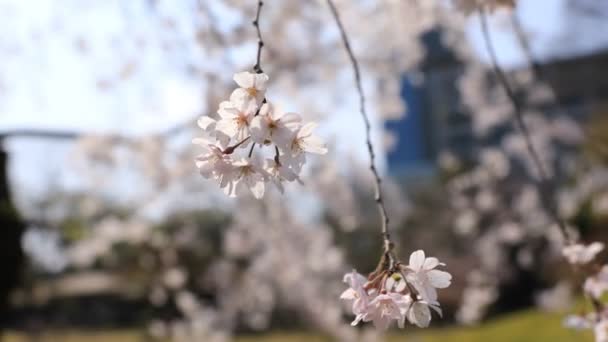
(524, 43)
(72, 135)
(388, 245)
(256, 23)
(518, 109)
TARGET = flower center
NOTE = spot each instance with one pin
(252, 91)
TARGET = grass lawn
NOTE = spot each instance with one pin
(533, 326)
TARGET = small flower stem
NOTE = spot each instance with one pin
(258, 67)
(387, 243)
(230, 149)
(256, 23)
(545, 181)
(251, 151)
(277, 158)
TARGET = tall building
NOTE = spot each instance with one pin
(435, 117)
(437, 120)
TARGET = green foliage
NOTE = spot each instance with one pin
(527, 326)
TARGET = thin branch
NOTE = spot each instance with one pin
(256, 23)
(258, 67)
(524, 43)
(537, 69)
(544, 178)
(388, 245)
(73, 135)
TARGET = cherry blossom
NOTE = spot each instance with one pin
(386, 308)
(279, 173)
(419, 313)
(212, 163)
(252, 85)
(305, 141)
(577, 322)
(274, 126)
(581, 254)
(249, 119)
(248, 176)
(421, 273)
(389, 295)
(236, 117)
(601, 330)
(597, 285)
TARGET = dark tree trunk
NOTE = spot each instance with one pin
(11, 254)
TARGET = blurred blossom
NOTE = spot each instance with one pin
(475, 301)
(44, 248)
(175, 278)
(582, 254)
(597, 284)
(557, 298)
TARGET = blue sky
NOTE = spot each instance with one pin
(45, 82)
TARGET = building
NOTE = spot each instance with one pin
(437, 120)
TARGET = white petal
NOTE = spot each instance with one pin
(358, 319)
(244, 79)
(430, 263)
(595, 247)
(313, 144)
(205, 122)
(439, 279)
(419, 315)
(389, 283)
(267, 109)
(227, 127)
(307, 129)
(256, 185)
(228, 113)
(282, 137)
(349, 294)
(437, 309)
(260, 81)
(291, 120)
(401, 285)
(240, 95)
(203, 141)
(259, 129)
(417, 260)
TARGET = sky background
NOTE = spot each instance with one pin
(46, 83)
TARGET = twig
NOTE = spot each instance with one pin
(388, 245)
(524, 43)
(258, 67)
(256, 23)
(544, 178)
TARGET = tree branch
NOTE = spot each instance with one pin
(256, 23)
(388, 245)
(544, 178)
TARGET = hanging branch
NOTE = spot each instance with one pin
(388, 245)
(524, 43)
(258, 67)
(544, 178)
(256, 23)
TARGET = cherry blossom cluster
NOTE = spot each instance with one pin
(397, 293)
(248, 120)
(594, 287)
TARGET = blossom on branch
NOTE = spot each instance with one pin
(397, 294)
(249, 119)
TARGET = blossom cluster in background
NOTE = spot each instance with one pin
(408, 293)
(248, 120)
(594, 287)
